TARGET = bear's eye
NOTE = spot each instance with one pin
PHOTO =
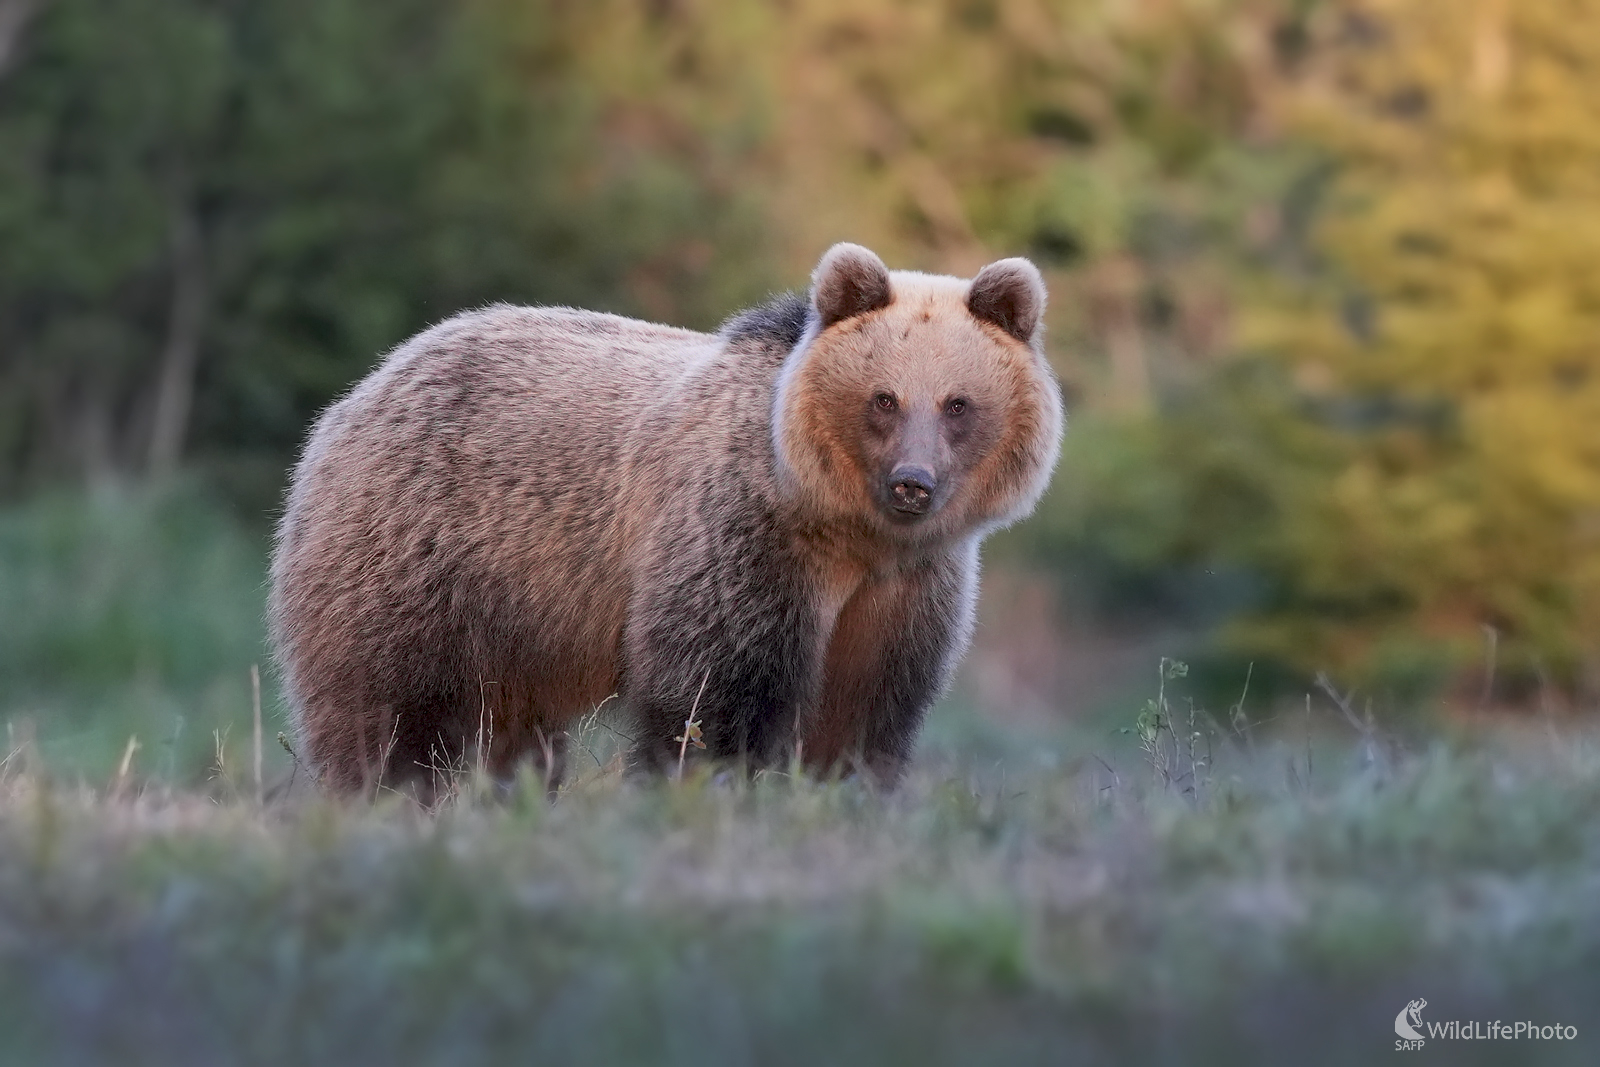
(958, 406)
(884, 402)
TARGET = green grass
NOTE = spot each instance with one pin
(1046, 918)
(1080, 896)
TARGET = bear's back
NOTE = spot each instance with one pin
(535, 401)
(547, 372)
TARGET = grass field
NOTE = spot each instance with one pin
(129, 614)
(1085, 897)
(1047, 917)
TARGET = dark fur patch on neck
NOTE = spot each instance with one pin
(779, 322)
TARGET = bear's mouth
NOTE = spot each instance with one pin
(908, 513)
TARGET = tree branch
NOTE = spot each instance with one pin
(180, 354)
(14, 15)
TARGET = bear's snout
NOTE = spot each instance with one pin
(911, 489)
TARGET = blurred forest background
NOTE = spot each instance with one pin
(1325, 279)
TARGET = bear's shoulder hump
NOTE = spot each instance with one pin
(779, 323)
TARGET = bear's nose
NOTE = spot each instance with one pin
(912, 489)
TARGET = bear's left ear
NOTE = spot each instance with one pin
(849, 281)
(1009, 293)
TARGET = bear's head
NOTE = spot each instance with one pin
(921, 404)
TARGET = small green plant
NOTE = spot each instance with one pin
(1178, 751)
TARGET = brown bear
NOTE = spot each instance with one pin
(523, 511)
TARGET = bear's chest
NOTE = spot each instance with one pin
(836, 582)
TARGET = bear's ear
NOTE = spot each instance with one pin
(1010, 294)
(849, 281)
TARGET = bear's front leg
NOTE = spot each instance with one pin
(892, 653)
(726, 635)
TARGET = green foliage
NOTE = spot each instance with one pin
(325, 178)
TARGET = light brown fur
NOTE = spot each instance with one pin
(523, 511)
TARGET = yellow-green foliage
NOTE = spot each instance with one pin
(1456, 360)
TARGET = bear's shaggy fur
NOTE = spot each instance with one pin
(525, 510)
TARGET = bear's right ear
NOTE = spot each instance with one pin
(849, 281)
